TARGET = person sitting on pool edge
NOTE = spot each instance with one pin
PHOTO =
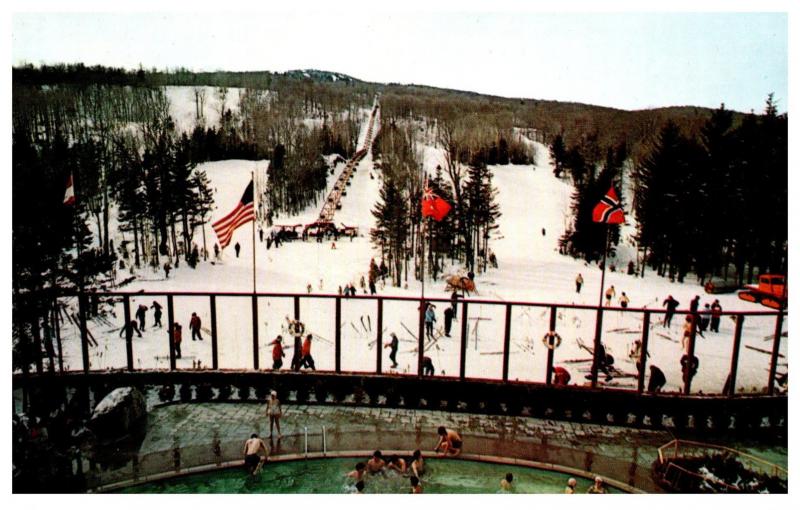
(376, 463)
(505, 483)
(397, 463)
(450, 442)
(416, 487)
(252, 460)
(358, 473)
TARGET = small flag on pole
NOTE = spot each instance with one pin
(433, 205)
(608, 209)
(69, 195)
(241, 214)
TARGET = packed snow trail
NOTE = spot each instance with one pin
(530, 269)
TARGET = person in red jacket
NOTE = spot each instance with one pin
(307, 361)
(194, 325)
(277, 353)
(177, 337)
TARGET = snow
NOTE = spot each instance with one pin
(112, 400)
(182, 105)
(530, 269)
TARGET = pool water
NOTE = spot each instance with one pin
(328, 476)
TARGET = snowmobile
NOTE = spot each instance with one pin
(771, 291)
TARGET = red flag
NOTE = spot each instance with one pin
(433, 205)
(69, 195)
(608, 209)
(241, 214)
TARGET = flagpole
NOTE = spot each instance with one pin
(603, 274)
(598, 325)
(252, 178)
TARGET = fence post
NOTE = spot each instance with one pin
(379, 338)
(551, 352)
(297, 308)
(255, 331)
(84, 332)
(214, 348)
(464, 331)
(126, 304)
(598, 332)
(776, 345)
(643, 357)
(687, 377)
(338, 336)
(506, 342)
(170, 330)
(421, 338)
(737, 340)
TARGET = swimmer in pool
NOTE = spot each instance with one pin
(252, 460)
(417, 463)
(505, 483)
(571, 483)
(360, 487)
(358, 473)
(397, 463)
(416, 487)
(376, 463)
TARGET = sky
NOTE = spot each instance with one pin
(627, 60)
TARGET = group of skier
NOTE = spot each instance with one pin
(176, 330)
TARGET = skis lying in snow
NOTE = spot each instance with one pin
(763, 350)
(89, 335)
(624, 330)
(666, 337)
(578, 360)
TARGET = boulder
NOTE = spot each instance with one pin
(119, 414)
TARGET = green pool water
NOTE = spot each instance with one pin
(328, 476)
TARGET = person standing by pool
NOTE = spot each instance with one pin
(598, 487)
(571, 483)
(252, 460)
(274, 412)
(450, 442)
(505, 483)
(416, 487)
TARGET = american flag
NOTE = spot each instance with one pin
(241, 214)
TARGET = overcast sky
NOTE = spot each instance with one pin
(624, 60)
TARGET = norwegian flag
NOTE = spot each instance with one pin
(69, 195)
(608, 209)
(433, 205)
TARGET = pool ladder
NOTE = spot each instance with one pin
(324, 441)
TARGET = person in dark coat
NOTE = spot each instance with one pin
(392, 344)
(454, 303)
(177, 338)
(140, 314)
(156, 314)
(132, 326)
(237, 247)
(672, 304)
(689, 367)
(427, 366)
(657, 380)
(194, 325)
(448, 320)
(716, 313)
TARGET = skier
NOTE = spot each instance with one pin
(307, 361)
(132, 326)
(237, 247)
(448, 321)
(177, 337)
(454, 303)
(610, 293)
(194, 325)
(493, 259)
(216, 251)
(156, 314)
(672, 305)
(260, 235)
(373, 276)
(578, 283)
(604, 362)
(277, 353)
(716, 313)
(167, 268)
(427, 366)
(705, 318)
(392, 345)
(363, 284)
(140, 314)
(623, 301)
(384, 271)
(657, 380)
(430, 318)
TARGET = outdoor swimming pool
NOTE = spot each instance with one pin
(328, 476)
